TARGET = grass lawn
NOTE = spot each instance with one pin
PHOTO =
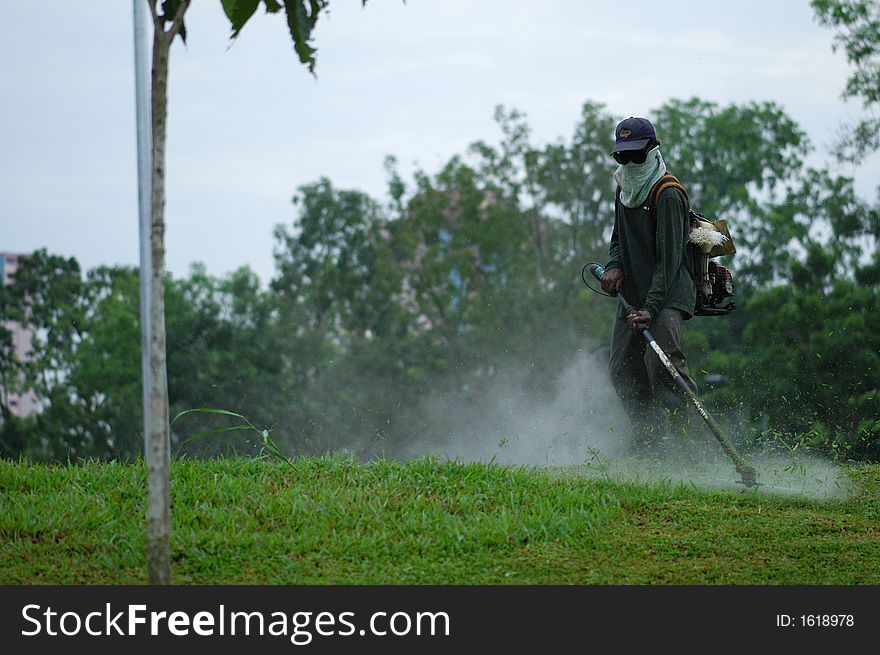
(331, 520)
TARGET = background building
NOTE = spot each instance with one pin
(19, 404)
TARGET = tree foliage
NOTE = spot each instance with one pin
(468, 277)
(857, 31)
(301, 17)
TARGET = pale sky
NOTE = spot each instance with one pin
(419, 81)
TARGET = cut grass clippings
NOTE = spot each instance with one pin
(330, 520)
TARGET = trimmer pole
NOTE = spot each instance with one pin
(746, 470)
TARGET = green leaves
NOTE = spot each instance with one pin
(170, 9)
(302, 15)
(268, 447)
(301, 20)
(239, 12)
(857, 30)
(382, 316)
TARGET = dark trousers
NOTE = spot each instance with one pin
(643, 384)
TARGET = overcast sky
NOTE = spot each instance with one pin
(419, 81)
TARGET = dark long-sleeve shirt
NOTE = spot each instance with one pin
(656, 264)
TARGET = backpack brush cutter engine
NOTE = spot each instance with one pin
(746, 471)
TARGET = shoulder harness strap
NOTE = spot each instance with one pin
(663, 183)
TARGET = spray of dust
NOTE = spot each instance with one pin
(580, 428)
(508, 424)
(788, 476)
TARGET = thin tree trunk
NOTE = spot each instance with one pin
(158, 446)
(158, 441)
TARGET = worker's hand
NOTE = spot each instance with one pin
(638, 320)
(612, 281)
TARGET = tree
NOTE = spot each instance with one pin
(339, 295)
(168, 23)
(224, 345)
(379, 315)
(104, 371)
(566, 183)
(735, 162)
(45, 298)
(857, 23)
(79, 366)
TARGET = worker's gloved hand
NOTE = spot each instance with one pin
(612, 281)
(638, 320)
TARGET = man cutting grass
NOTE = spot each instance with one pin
(650, 265)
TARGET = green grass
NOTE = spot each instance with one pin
(330, 520)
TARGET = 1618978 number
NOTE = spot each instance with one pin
(826, 620)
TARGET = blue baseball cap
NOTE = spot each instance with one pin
(633, 134)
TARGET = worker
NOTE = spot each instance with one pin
(650, 265)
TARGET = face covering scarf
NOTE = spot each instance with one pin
(635, 180)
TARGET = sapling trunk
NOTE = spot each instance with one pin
(158, 440)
